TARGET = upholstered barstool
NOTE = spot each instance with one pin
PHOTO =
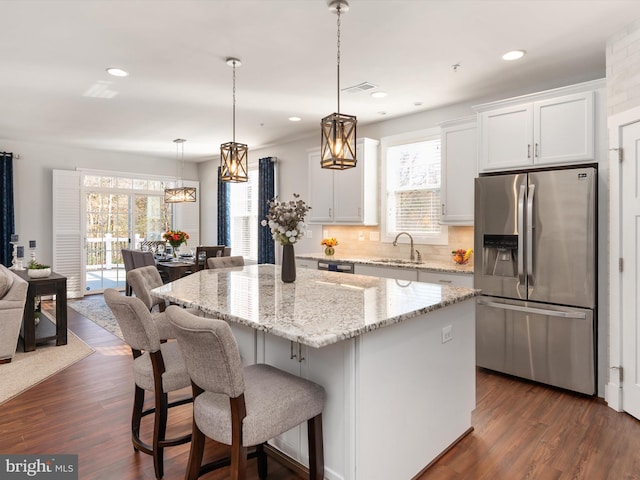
(242, 407)
(142, 281)
(157, 367)
(225, 262)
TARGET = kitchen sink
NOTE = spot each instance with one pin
(397, 260)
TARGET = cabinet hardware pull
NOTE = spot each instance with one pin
(330, 215)
(445, 281)
(443, 209)
(300, 357)
(528, 150)
(293, 355)
(536, 151)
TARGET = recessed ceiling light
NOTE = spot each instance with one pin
(513, 55)
(117, 72)
(379, 94)
(417, 104)
(294, 119)
(382, 113)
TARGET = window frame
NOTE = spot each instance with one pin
(394, 141)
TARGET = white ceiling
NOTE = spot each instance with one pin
(53, 52)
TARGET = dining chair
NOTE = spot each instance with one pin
(127, 259)
(225, 262)
(157, 367)
(242, 406)
(203, 253)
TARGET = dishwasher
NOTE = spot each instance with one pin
(331, 266)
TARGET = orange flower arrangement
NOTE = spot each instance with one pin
(329, 242)
(175, 237)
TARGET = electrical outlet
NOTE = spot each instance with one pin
(374, 236)
(447, 333)
(360, 236)
(309, 233)
(325, 233)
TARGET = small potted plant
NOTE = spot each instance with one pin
(38, 270)
(329, 244)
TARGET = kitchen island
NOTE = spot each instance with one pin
(397, 359)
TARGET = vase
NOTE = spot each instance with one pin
(329, 251)
(288, 274)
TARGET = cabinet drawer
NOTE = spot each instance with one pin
(450, 279)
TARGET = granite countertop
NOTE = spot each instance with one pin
(318, 309)
(443, 266)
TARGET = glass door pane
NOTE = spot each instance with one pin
(151, 218)
(107, 233)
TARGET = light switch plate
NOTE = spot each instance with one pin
(447, 333)
(374, 236)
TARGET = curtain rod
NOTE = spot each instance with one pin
(16, 156)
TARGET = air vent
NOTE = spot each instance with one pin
(361, 87)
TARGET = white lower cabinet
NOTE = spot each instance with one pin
(449, 279)
(333, 367)
(387, 272)
(362, 420)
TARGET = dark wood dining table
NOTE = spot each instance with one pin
(176, 268)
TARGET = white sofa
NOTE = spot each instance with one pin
(13, 295)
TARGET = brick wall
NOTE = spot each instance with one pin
(623, 70)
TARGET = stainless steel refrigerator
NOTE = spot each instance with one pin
(535, 262)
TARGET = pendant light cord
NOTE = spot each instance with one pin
(338, 57)
(234, 101)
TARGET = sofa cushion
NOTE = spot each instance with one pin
(6, 280)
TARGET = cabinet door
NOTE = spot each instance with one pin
(564, 129)
(348, 191)
(507, 136)
(459, 167)
(320, 191)
(277, 352)
(449, 279)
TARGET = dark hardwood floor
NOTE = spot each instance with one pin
(522, 430)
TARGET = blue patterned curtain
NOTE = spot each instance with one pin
(7, 225)
(266, 191)
(224, 213)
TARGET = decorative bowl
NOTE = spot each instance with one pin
(38, 272)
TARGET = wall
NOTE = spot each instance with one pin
(33, 177)
(623, 70)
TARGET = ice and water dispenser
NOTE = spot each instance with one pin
(500, 255)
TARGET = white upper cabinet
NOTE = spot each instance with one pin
(459, 169)
(349, 196)
(548, 128)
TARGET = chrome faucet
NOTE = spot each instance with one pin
(395, 244)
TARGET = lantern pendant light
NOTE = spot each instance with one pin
(338, 140)
(180, 194)
(233, 156)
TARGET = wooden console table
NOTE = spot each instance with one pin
(54, 284)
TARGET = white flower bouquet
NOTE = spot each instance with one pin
(286, 219)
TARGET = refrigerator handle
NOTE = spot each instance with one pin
(532, 191)
(521, 193)
(536, 311)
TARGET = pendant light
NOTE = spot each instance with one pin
(338, 140)
(233, 156)
(180, 194)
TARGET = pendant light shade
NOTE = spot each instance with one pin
(338, 130)
(180, 194)
(233, 155)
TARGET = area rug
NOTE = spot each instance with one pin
(95, 309)
(30, 368)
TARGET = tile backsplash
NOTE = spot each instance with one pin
(365, 242)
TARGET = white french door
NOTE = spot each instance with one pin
(630, 249)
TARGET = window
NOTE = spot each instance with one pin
(244, 217)
(411, 187)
